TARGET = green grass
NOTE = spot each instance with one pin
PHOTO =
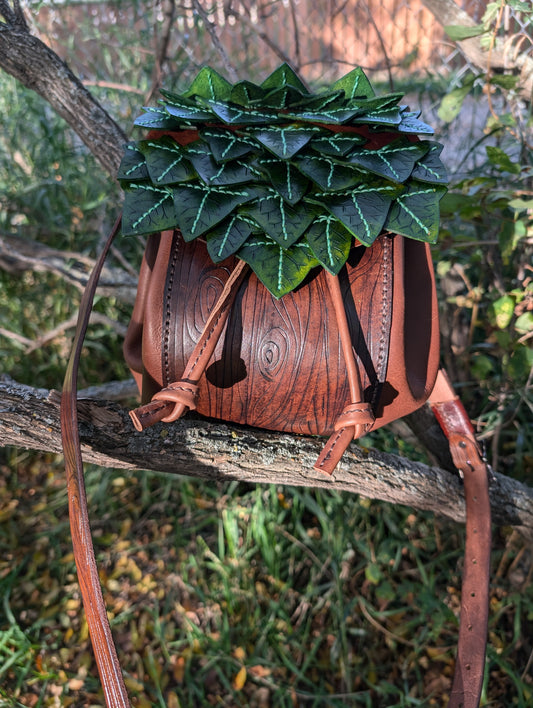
(239, 595)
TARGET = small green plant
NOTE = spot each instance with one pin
(283, 178)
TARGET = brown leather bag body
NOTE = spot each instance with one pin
(279, 364)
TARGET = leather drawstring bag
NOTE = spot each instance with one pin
(287, 284)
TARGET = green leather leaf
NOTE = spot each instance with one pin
(330, 242)
(355, 85)
(280, 270)
(335, 116)
(284, 142)
(245, 93)
(282, 176)
(327, 173)
(284, 75)
(430, 168)
(281, 98)
(166, 161)
(228, 236)
(209, 84)
(394, 161)
(415, 213)
(285, 179)
(133, 164)
(375, 104)
(147, 209)
(322, 101)
(218, 174)
(226, 145)
(189, 110)
(232, 114)
(156, 119)
(411, 124)
(362, 210)
(336, 144)
(280, 221)
(383, 116)
(200, 208)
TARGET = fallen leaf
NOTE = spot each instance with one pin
(240, 679)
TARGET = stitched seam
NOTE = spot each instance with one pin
(385, 315)
(331, 446)
(209, 335)
(149, 413)
(192, 389)
(168, 304)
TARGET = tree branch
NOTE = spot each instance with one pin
(18, 254)
(29, 418)
(37, 67)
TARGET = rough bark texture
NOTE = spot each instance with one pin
(502, 57)
(37, 67)
(29, 418)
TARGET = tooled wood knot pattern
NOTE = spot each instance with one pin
(278, 364)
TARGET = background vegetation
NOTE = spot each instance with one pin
(244, 596)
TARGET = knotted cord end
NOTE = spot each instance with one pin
(183, 394)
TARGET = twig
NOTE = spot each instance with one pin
(262, 35)
(212, 30)
(96, 318)
(380, 628)
(296, 34)
(161, 54)
(110, 391)
(32, 345)
(17, 337)
(114, 86)
(18, 254)
(382, 43)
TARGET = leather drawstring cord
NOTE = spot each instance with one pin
(466, 455)
(93, 602)
(174, 400)
(357, 417)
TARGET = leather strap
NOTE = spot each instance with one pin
(104, 649)
(357, 417)
(467, 457)
(174, 400)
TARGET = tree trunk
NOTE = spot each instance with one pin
(37, 67)
(29, 418)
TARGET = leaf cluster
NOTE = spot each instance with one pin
(280, 177)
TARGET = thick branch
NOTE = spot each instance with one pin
(37, 67)
(29, 418)
(447, 12)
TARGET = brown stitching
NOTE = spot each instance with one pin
(353, 410)
(208, 337)
(385, 309)
(168, 306)
(150, 413)
(386, 317)
(331, 446)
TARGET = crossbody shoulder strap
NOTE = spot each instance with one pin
(93, 602)
(467, 457)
